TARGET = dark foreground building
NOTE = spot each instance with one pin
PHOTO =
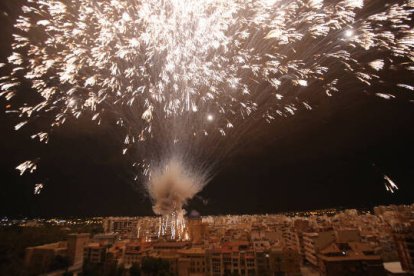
(404, 239)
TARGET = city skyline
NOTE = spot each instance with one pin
(325, 243)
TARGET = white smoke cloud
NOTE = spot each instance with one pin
(172, 184)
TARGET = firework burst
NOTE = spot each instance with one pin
(200, 66)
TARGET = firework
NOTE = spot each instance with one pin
(38, 188)
(199, 66)
(390, 186)
(172, 226)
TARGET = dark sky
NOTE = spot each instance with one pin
(316, 159)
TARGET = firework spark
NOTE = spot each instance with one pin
(172, 226)
(28, 165)
(38, 188)
(176, 61)
(176, 57)
(390, 186)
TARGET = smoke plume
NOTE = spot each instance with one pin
(171, 185)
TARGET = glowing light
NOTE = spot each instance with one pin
(377, 64)
(210, 117)
(38, 188)
(27, 166)
(390, 186)
(349, 33)
(385, 96)
(72, 103)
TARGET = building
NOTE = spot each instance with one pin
(352, 258)
(39, 259)
(301, 226)
(95, 253)
(76, 243)
(106, 238)
(135, 251)
(284, 262)
(114, 255)
(262, 262)
(124, 226)
(197, 230)
(192, 262)
(313, 242)
(404, 239)
(60, 255)
(347, 235)
(237, 257)
(104, 257)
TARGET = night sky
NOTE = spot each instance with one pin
(332, 156)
